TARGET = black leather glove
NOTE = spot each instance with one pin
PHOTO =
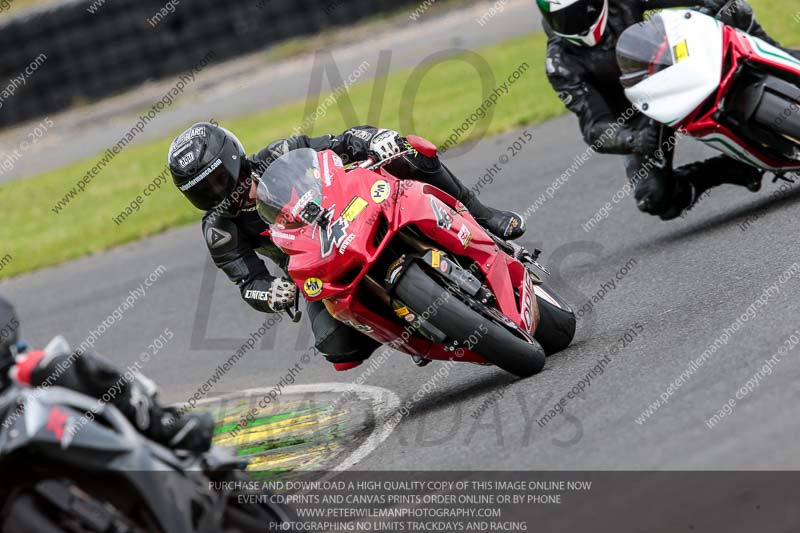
(737, 13)
(281, 294)
(385, 144)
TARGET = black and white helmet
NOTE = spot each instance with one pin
(209, 166)
(581, 22)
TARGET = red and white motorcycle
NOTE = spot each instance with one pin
(730, 90)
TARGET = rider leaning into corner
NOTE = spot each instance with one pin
(94, 376)
(582, 68)
(210, 167)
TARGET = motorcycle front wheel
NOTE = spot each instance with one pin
(457, 320)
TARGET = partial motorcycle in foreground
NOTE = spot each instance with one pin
(406, 264)
(64, 471)
(730, 90)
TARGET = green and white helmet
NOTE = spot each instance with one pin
(582, 22)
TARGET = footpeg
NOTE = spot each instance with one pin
(420, 361)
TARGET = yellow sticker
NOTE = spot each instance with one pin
(354, 208)
(313, 287)
(436, 258)
(380, 191)
(681, 51)
(403, 311)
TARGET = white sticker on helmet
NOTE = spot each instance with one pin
(200, 177)
(185, 160)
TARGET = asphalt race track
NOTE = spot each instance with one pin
(684, 283)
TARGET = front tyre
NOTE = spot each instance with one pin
(458, 321)
(557, 323)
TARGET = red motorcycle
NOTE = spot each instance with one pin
(406, 264)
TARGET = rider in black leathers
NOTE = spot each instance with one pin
(584, 72)
(94, 376)
(209, 166)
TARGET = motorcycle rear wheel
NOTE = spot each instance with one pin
(459, 321)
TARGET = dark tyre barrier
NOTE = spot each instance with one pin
(127, 42)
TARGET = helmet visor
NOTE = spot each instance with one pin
(643, 50)
(577, 19)
(215, 182)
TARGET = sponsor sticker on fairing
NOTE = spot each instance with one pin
(281, 235)
(333, 236)
(301, 203)
(346, 243)
(326, 171)
(465, 236)
(526, 302)
(354, 208)
(681, 51)
(443, 218)
(380, 191)
(313, 287)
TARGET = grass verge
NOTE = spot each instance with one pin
(37, 237)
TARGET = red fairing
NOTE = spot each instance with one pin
(736, 49)
(27, 365)
(329, 263)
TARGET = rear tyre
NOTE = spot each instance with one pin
(458, 321)
(780, 114)
(556, 327)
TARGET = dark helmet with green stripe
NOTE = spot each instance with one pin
(582, 22)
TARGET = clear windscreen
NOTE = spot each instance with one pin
(643, 50)
(289, 187)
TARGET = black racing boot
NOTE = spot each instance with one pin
(719, 171)
(695, 179)
(504, 224)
